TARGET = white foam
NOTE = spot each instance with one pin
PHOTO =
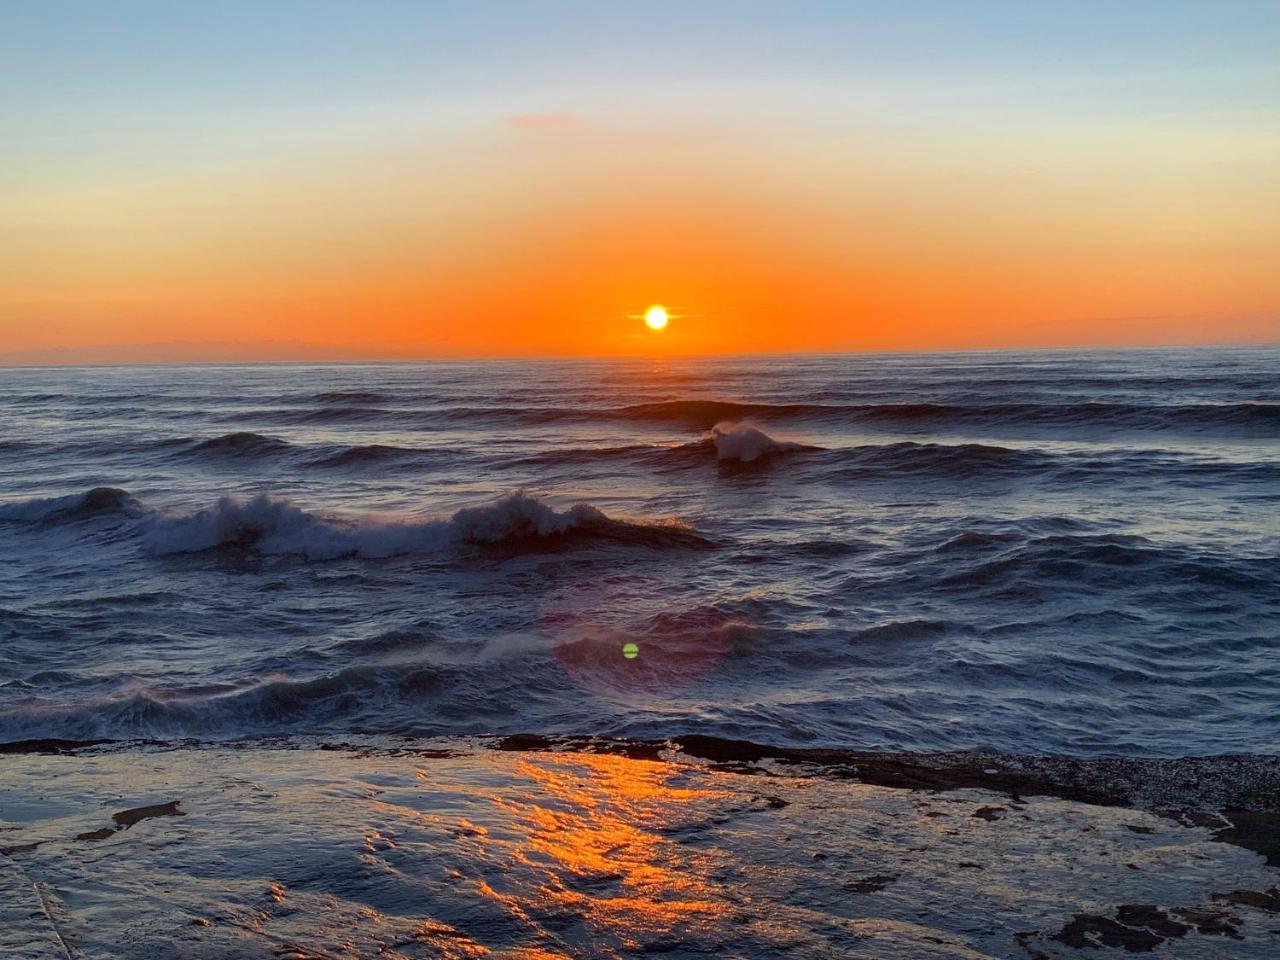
(744, 442)
(276, 526)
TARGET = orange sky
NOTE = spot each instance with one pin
(767, 217)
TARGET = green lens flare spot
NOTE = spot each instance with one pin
(630, 650)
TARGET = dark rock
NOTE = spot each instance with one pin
(1209, 920)
(1258, 831)
(870, 884)
(1151, 917)
(127, 818)
(1089, 930)
(1268, 900)
(48, 745)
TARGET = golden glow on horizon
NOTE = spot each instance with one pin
(656, 317)
(866, 244)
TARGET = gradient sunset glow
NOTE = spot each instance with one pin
(397, 180)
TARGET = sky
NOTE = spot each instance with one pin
(384, 180)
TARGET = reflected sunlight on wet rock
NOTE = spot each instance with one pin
(400, 850)
(604, 834)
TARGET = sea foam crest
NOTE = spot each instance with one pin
(276, 526)
(745, 442)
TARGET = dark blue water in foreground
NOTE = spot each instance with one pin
(1055, 552)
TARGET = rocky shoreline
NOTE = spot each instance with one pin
(546, 848)
(1237, 795)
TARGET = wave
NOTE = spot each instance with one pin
(978, 461)
(240, 444)
(21, 398)
(273, 526)
(273, 706)
(740, 442)
(367, 454)
(902, 631)
(746, 443)
(1064, 562)
(76, 506)
(246, 445)
(407, 679)
(357, 397)
(576, 456)
(335, 413)
(715, 411)
(1246, 414)
(896, 460)
(387, 643)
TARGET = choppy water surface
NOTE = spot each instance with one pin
(1040, 552)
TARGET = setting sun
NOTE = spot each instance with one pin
(656, 317)
(540, 583)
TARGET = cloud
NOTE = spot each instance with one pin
(545, 121)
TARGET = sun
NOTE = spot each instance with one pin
(656, 317)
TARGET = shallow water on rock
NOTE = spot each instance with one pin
(449, 849)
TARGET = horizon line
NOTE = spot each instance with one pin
(11, 363)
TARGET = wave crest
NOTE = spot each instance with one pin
(712, 411)
(240, 444)
(365, 455)
(1251, 415)
(275, 526)
(76, 506)
(361, 397)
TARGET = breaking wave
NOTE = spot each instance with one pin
(746, 443)
(272, 525)
(275, 526)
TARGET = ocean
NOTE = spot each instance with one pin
(1053, 553)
